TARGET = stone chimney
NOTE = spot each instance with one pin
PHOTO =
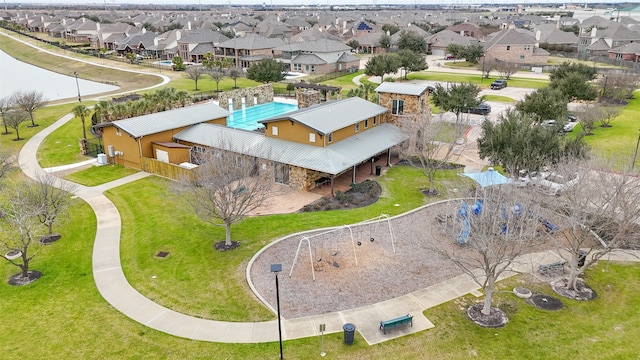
(307, 98)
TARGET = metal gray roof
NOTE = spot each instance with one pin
(402, 88)
(166, 120)
(333, 159)
(333, 115)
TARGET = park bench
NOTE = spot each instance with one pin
(321, 181)
(552, 269)
(388, 324)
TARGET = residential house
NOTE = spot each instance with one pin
(195, 43)
(438, 42)
(415, 30)
(130, 140)
(136, 43)
(308, 146)
(82, 31)
(165, 45)
(369, 43)
(553, 38)
(627, 52)
(317, 57)
(598, 40)
(404, 100)
(110, 34)
(248, 50)
(513, 46)
(467, 29)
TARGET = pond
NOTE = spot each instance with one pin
(19, 76)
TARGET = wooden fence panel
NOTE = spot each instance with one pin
(171, 171)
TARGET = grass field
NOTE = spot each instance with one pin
(476, 79)
(97, 175)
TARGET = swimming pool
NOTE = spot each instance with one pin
(164, 62)
(248, 118)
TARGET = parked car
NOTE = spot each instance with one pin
(549, 124)
(482, 109)
(499, 84)
(571, 117)
(555, 184)
(450, 57)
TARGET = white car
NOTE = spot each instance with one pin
(526, 177)
(555, 184)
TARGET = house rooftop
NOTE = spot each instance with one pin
(154, 123)
(333, 159)
(334, 115)
(402, 88)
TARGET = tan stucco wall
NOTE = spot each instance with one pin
(176, 155)
(126, 144)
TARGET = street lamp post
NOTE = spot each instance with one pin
(635, 154)
(77, 86)
(276, 268)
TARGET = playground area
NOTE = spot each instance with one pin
(352, 270)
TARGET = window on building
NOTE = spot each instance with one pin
(357, 126)
(118, 133)
(521, 57)
(366, 123)
(508, 47)
(313, 68)
(527, 47)
(375, 120)
(306, 68)
(297, 67)
(397, 107)
(330, 137)
(618, 56)
(274, 130)
(616, 43)
(312, 137)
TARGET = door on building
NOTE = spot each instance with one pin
(162, 155)
(281, 172)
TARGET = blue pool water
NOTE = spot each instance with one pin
(164, 62)
(248, 118)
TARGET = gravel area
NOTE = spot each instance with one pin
(340, 284)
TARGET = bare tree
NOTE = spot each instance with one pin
(6, 103)
(6, 162)
(14, 118)
(225, 188)
(29, 101)
(589, 115)
(602, 212)
(486, 67)
(430, 144)
(217, 76)
(195, 73)
(609, 113)
(20, 230)
(234, 73)
(619, 87)
(498, 225)
(506, 69)
(53, 197)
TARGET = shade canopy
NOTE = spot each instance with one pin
(488, 178)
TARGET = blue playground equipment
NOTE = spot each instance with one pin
(463, 217)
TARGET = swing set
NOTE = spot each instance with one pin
(320, 240)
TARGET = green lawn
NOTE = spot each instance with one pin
(179, 285)
(62, 146)
(499, 98)
(97, 175)
(620, 139)
(476, 79)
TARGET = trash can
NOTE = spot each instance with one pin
(378, 170)
(581, 258)
(349, 333)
